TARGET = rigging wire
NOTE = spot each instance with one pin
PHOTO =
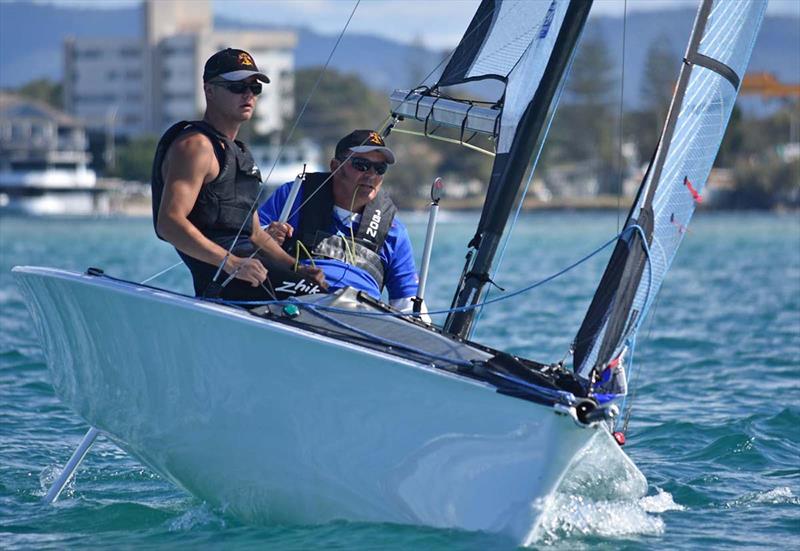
(162, 272)
(254, 204)
(621, 113)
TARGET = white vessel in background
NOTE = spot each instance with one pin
(292, 159)
(44, 161)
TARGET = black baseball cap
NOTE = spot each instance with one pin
(363, 141)
(231, 64)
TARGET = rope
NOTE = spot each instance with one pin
(450, 310)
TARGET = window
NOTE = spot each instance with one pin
(89, 53)
(28, 165)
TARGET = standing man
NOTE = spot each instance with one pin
(347, 224)
(205, 186)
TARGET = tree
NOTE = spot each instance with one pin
(45, 90)
(586, 123)
(134, 159)
(340, 104)
(660, 75)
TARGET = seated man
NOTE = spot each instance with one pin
(205, 185)
(347, 224)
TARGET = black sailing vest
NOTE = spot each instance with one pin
(223, 204)
(317, 219)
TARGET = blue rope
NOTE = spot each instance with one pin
(434, 312)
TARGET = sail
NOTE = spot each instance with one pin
(528, 46)
(510, 41)
(715, 62)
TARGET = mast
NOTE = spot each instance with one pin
(509, 168)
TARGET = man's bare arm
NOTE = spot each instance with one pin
(191, 162)
(272, 248)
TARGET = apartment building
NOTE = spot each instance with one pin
(131, 87)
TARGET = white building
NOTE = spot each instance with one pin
(131, 87)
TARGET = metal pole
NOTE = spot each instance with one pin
(69, 469)
(287, 208)
(436, 194)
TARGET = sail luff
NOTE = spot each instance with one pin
(509, 167)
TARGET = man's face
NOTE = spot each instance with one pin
(233, 99)
(353, 187)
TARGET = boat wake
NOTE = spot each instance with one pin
(601, 499)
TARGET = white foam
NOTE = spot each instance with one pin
(602, 495)
(660, 503)
(781, 494)
(48, 476)
(201, 515)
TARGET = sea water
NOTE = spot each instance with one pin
(714, 426)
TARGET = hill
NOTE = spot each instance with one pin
(32, 37)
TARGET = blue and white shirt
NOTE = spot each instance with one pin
(400, 273)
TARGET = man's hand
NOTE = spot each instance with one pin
(247, 269)
(315, 274)
(280, 231)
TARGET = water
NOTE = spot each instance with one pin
(715, 425)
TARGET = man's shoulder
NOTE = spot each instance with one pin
(192, 139)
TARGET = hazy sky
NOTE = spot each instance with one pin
(439, 22)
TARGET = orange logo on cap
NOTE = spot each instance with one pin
(374, 137)
(245, 59)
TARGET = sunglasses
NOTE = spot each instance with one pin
(363, 165)
(239, 86)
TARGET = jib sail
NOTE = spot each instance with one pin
(716, 59)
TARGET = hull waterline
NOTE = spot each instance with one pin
(276, 424)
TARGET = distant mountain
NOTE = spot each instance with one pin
(32, 36)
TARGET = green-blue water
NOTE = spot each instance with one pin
(715, 425)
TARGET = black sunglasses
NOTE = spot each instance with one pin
(239, 86)
(363, 165)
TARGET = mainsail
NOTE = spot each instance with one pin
(527, 46)
(716, 59)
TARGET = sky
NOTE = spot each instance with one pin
(441, 22)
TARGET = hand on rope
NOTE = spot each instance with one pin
(250, 270)
(279, 231)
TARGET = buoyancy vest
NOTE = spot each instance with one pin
(317, 219)
(224, 204)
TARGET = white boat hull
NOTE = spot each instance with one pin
(272, 423)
